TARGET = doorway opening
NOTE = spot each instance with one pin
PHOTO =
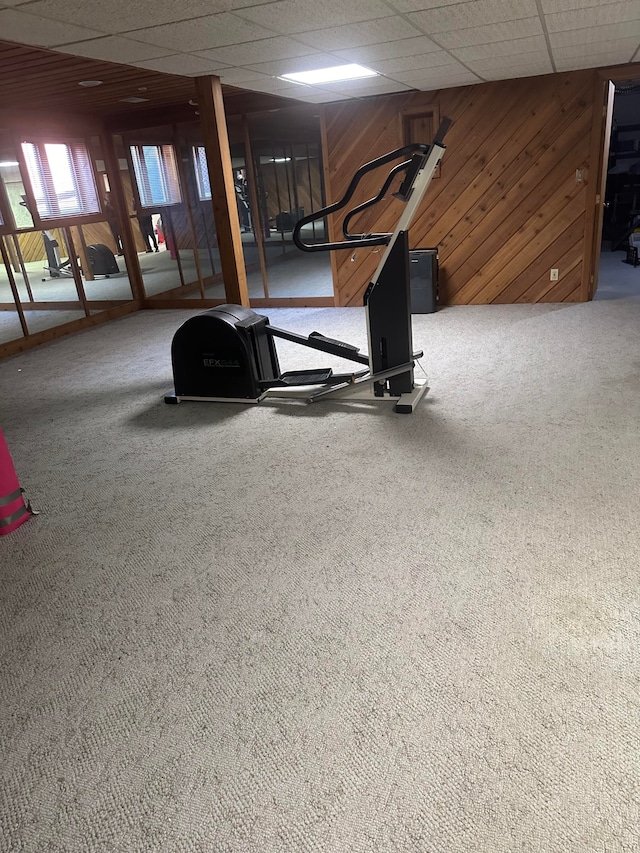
(619, 269)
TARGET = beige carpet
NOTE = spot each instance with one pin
(284, 628)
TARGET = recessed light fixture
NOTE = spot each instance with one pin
(133, 100)
(280, 160)
(88, 84)
(6, 164)
(330, 75)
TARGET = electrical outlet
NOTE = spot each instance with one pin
(554, 275)
(579, 176)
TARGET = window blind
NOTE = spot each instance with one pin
(202, 172)
(156, 173)
(61, 179)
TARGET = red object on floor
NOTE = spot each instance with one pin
(13, 510)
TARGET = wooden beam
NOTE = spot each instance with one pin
(223, 193)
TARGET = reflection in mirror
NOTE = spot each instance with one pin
(249, 222)
(161, 214)
(46, 302)
(12, 185)
(198, 191)
(103, 269)
(289, 185)
(10, 325)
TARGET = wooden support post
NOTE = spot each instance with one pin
(124, 219)
(223, 193)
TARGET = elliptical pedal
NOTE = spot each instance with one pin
(306, 377)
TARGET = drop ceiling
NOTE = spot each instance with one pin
(413, 44)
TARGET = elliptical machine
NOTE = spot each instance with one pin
(228, 353)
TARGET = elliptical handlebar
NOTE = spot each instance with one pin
(357, 241)
(364, 239)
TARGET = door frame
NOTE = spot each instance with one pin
(604, 93)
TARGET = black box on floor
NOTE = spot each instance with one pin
(423, 266)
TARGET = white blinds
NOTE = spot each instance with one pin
(61, 179)
(202, 172)
(156, 174)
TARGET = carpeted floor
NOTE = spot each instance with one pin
(293, 628)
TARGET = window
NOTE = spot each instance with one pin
(156, 174)
(202, 172)
(61, 179)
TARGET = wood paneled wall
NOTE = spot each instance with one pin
(506, 208)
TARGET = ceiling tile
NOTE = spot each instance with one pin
(115, 49)
(491, 33)
(118, 16)
(455, 71)
(361, 87)
(407, 63)
(587, 35)
(357, 35)
(261, 50)
(273, 84)
(512, 66)
(16, 25)
(300, 63)
(181, 63)
(418, 5)
(501, 48)
(592, 61)
(234, 76)
(523, 69)
(478, 13)
(432, 79)
(203, 33)
(301, 16)
(623, 47)
(511, 63)
(388, 50)
(321, 97)
(550, 6)
(595, 16)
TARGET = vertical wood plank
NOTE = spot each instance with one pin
(223, 193)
